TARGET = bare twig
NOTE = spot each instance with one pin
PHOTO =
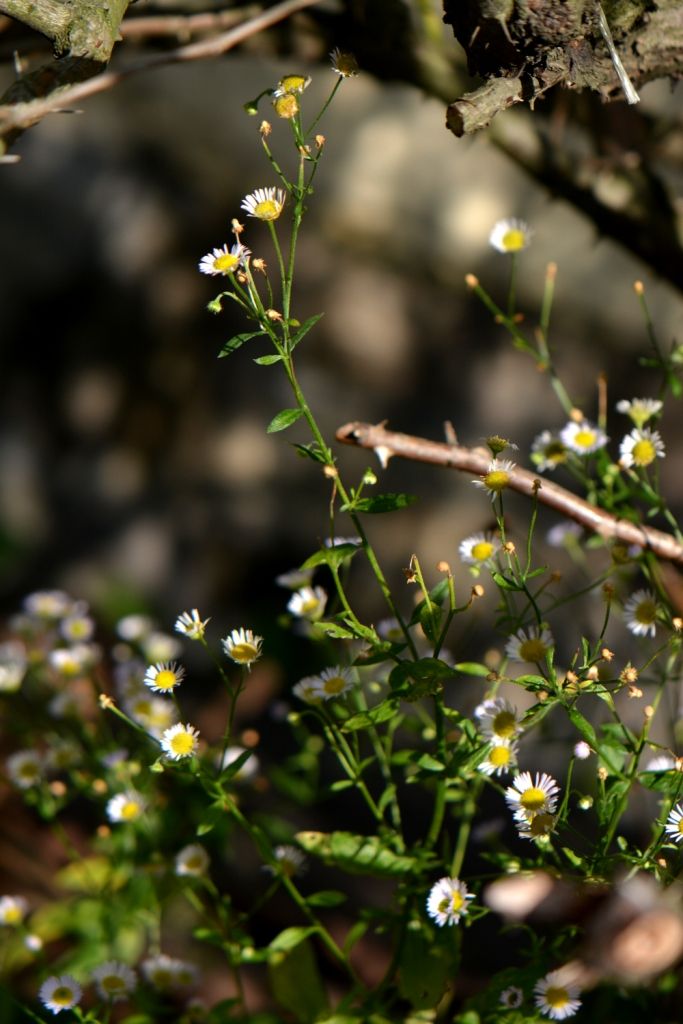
(184, 26)
(476, 461)
(15, 117)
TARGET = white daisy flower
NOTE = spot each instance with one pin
(25, 768)
(555, 997)
(224, 260)
(496, 478)
(295, 578)
(114, 980)
(154, 714)
(640, 613)
(49, 605)
(674, 824)
(582, 750)
(640, 410)
(127, 806)
(243, 646)
(333, 682)
(33, 942)
(77, 627)
(291, 860)
(583, 438)
(133, 628)
(164, 677)
(641, 447)
(530, 645)
(158, 646)
(191, 625)
(500, 759)
(661, 763)
(308, 690)
(192, 860)
(548, 451)
(498, 718)
(532, 796)
(510, 235)
(264, 203)
(13, 910)
(538, 826)
(13, 665)
(166, 973)
(60, 992)
(344, 64)
(74, 661)
(308, 603)
(447, 901)
(180, 741)
(511, 997)
(478, 549)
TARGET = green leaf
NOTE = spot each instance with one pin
(294, 977)
(310, 451)
(374, 716)
(326, 898)
(504, 583)
(381, 503)
(430, 763)
(472, 668)
(268, 360)
(334, 630)
(237, 342)
(304, 329)
(290, 937)
(584, 727)
(284, 419)
(233, 768)
(334, 556)
(366, 855)
(425, 969)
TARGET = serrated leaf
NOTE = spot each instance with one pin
(285, 418)
(304, 329)
(381, 503)
(360, 854)
(268, 360)
(236, 342)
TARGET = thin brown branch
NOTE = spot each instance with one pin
(184, 26)
(15, 117)
(476, 461)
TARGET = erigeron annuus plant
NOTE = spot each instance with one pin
(442, 789)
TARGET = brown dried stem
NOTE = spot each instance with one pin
(476, 461)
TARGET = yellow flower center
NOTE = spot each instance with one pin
(244, 653)
(12, 915)
(334, 685)
(585, 438)
(182, 743)
(504, 724)
(293, 83)
(267, 209)
(286, 106)
(62, 996)
(497, 480)
(112, 983)
(557, 997)
(555, 452)
(130, 810)
(482, 550)
(194, 863)
(533, 799)
(28, 772)
(166, 679)
(457, 901)
(679, 826)
(500, 756)
(646, 612)
(513, 240)
(226, 263)
(532, 649)
(541, 825)
(644, 452)
(346, 64)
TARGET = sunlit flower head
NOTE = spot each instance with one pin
(583, 438)
(533, 796)
(13, 665)
(500, 759)
(640, 613)
(496, 478)
(191, 625)
(25, 768)
(308, 690)
(498, 718)
(127, 806)
(447, 901)
(344, 64)
(478, 549)
(48, 605)
(180, 741)
(308, 603)
(641, 447)
(555, 997)
(77, 626)
(153, 713)
(242, 646)
(530, 645)
(286, 105)
(510, 235)
(640, 410)
(511, 997)
(164, 677)
(292, 85)
(192, 860)
(548, 451)
(114, 980)
(13, 910)
(224, 260)
(264, 203)
(333, 682)
(60, 992)
(74, 661)
(674, 824)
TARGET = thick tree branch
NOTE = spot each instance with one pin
(83, 28)
(476, 461)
